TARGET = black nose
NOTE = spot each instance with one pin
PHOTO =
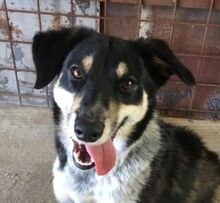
(88, 131)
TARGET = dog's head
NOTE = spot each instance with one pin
(105, 87)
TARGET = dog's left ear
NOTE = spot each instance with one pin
(50, 49)
(160, 61)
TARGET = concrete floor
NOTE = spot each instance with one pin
(27, 151)
(26, 154)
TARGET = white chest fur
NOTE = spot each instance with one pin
(112, 188)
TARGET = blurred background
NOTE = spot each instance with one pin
(192, 29)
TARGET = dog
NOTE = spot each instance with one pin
(111, 145)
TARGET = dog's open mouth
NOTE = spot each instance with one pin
(81, 157)
(101, 156)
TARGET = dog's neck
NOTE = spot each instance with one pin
(144, 148)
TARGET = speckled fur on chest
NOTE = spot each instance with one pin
(114, 188)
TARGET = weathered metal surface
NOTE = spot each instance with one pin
(3, 26)
(201, 4)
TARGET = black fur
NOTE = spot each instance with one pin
(176, 168)
(58, 144)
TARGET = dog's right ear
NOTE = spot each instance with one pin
(161, 62)
(50, 48)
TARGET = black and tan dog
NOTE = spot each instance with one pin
(111, 146)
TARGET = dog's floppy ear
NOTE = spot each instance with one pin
(160, 61)
(50, 49)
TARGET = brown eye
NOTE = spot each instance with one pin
(127, 85)
(77, 73)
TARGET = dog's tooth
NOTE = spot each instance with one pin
(79, 161)
(84, 163)
(78, 154)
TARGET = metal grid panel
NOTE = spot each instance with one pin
(191, 28)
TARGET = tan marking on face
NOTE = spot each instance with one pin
(111, 117)
(87, 63)
(76, 103)
(121, 69)
(135, 113)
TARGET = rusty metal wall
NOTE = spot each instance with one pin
(192, 28)
(19, 20)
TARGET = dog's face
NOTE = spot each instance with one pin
(105, 87)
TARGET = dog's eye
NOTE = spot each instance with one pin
(127, 85)
(77, 73)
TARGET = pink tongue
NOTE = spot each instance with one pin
(104, 156)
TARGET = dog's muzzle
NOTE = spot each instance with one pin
(86, 156)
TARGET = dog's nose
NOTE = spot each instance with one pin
(88, 131)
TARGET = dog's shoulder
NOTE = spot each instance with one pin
(178, 138)
(184, 141)
(184, 170)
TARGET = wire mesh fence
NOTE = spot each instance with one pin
(192, 29)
